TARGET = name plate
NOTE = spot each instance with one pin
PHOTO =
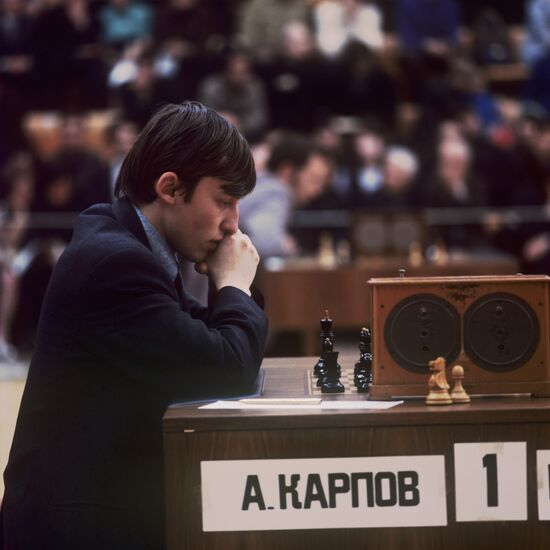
(323, 493)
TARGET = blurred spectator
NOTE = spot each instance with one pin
(427, 31)
(125, 21)
(399, 190)
(427, 26)
(15, 66)
(17, 189)
(537, 31)
(141, 96)
(261, 21)
(340, 22)
(490, 39)
(538, 85)
(297, 173)
(239, 92)
(120, 138)
(298, 81)
(185, 35)
(77, 177)
(69, 70)
(366, 170)
(371, 90)
(455, 185)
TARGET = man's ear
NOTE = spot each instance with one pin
(167, 187)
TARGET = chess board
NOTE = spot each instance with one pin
(346, 378)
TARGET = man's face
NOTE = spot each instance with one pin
(312, 179)
(195, 228)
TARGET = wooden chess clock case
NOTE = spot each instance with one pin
(496, 327)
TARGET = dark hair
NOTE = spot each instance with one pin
(192, 141)
(291, 149)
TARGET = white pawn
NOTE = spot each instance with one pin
(459, 395)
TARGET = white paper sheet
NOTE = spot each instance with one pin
(299, 405)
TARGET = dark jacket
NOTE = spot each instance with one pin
(115, 347)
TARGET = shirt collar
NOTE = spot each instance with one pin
(159, 246)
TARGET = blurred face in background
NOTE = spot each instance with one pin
(297, 41)
(400, 169)
(454, 162)
(237, 70)
(312, 179)
(369, 147)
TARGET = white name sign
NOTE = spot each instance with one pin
(323, 493)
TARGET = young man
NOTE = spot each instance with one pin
(119, 339)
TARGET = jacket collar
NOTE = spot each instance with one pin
(126, 215)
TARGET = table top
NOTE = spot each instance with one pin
(287, 377)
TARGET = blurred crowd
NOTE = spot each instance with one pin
(388, 106)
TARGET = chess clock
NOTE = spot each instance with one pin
(496, 327)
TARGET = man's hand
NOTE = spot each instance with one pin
(233, 263)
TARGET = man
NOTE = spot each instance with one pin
(119, 339)
(298, 172)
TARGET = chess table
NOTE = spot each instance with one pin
(508, 432)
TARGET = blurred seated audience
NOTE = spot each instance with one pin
(297, 172)
(145, 92)
(299, 81)
(120, 137)
(16, 192)
(124, 22)
(491, 43)
(455, 185)
(188, 40)
(68, 67)
(371, 91)
(338, 23)
(240, 92)
(427, 31)
(537, 31)
(362, 174)
(399, 190)
(82, 176)
(260, 23)
(15, 66)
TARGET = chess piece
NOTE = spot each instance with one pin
(322, 371)
(439, 388)
(363, 368)
(459, 395)
(326, 332)
(415, 254)
(327, 255)
(331, 381)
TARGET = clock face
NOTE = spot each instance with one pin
(420, 328)
(501, 332)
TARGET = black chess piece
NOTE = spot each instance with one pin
(331, 381)
(363, 367)
(326, 332)
(327, 346)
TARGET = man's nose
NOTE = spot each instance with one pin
(230, 223)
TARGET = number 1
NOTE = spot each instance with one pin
(490, 462)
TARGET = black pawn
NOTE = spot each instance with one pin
(326, 332)
(331, 382)
(363, 367)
